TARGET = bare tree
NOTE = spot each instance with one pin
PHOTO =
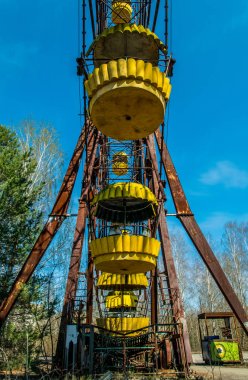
(42, 139)
(235, 257)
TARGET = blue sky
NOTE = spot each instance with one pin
(207, 133)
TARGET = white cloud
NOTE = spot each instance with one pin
(226, 173)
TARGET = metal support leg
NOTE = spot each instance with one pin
(49, 230)
(189, 223)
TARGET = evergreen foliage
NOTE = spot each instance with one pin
(20, 222)
(19, 219)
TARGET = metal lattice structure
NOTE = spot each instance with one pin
(123, 320)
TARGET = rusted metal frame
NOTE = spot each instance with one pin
(155, 15)
(172, 279)
(112, 10)
(97, 296)
(97, 16)
(160, 282)
(148, 14)
(173, 284)
(92, 19)
(152, 152)
(189, 223)
(72, 282)
(90, 284)
(168, 260)
(103, 153)
(154, 297)
(166, 21)
(72, 279)
(92, 151)
(49, 230)
(76, 255)
(140, 11)
(178, 196)
(138, 161)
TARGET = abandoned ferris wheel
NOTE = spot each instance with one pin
(125, 311)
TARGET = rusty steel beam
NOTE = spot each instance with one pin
(166, 249)
(172, 280)
(49, 230)
(152, 152)
(72, 283)
(154, 297)
(193, 230)
(90, 284)
(76, 255)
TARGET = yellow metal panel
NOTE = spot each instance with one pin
(122, 68)
(126, 243)
(124, 325)
(128, 254)
(161, 77)
(134, 243)
(122, 190)
(105, 243)
(113, 70)
(122, 281)
(87, 87)
(97, 78)
(155, 73)
(130, 29)
(111, 244)
(131, 68)
(104, 73)
(118, 243)
(148, 72)
(121, 12)
(140, 69)
(118, 299)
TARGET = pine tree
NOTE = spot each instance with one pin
(19, 219)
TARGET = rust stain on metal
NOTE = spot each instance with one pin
(177, 192)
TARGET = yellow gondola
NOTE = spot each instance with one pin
(126, 40)
(121, 326)
(125, 299)
(120, 163)
(110, 281)
(127, 98)
(125, 253)
(121, 11)
(127, 202)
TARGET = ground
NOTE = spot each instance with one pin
(224, 372)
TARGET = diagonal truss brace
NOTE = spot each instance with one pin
(48, 232)
(166, 248)
(188, 221)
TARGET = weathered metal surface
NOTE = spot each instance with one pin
(216, 315)
(76, 255)
(152, 152)
(173, 280)
(154, 297)
(176, 189)
(90, 283)
(189, 223)
(72, 282)
(49, 230)
(155, 15)
(166, 249)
